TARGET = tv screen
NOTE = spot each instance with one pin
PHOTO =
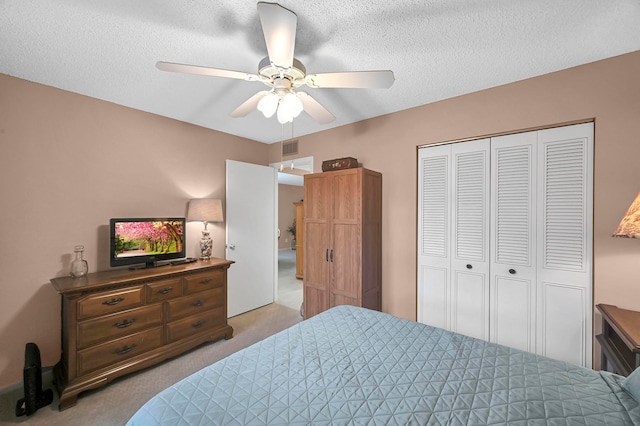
(146, 241)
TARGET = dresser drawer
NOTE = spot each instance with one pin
(196, 303)
(186, 327)
(163, 290)
(204, 281)
(108, 354)
(108, 302)
(117, 325)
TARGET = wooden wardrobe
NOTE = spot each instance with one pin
(342, 240)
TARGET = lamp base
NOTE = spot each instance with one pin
(206, 246)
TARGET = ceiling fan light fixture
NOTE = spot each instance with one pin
(268, 104)
(292, 104)
(283, 114)
(289, 107)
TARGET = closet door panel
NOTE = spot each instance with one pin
(513, 230)
(565, 220)
(470, 238)
(434, 235)
(513, 313)
(563, 324)
(470, 313)
(433, 297)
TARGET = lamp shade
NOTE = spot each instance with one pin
(629, 226)
(205, 210)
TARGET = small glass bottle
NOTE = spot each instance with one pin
(79, 266)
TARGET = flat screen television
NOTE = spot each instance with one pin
(146, 242)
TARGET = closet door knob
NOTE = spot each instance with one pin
(469, 266)
(512, 271)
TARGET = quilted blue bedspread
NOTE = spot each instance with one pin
(350, 365)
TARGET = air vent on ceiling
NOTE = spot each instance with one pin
(290, 148)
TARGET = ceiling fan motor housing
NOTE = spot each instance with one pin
(273, 72)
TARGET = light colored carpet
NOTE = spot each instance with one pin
(289, 287)
(115, 403)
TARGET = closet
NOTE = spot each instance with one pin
(505, 240)
(342, 244)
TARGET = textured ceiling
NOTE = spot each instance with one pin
(437, 49)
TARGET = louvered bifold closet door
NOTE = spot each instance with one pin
(565, 206)
(470, 238)
(434, 233)
(513, 238)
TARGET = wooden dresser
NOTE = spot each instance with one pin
(620, 339)
(119, 321)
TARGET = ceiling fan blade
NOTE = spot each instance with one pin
(314, 109)
(279, 28)
(249, 105)
(353, 79)
(196, 69)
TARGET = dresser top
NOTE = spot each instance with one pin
(121, 277)
(625, 322)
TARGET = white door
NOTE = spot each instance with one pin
(251, 218)
(453, 224)
(565, 218)
(513, 241)
(470, 238)
(434, 234)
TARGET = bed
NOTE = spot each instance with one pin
(350, 365)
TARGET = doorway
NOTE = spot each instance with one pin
(290, 190)
(289, 287)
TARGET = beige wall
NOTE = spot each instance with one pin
(287, 195)
(69, 163)
(607, 91)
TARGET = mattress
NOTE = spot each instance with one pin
(350, 365)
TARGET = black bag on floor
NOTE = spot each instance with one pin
(34, 396)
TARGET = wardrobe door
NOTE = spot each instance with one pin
(345, 251)
(434, 234)
(513, 239)
(470, 238)
(565, 217)
(317, 222)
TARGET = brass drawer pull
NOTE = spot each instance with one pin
(205, 281)
(125, 349)
(198, 324)
(198, 303)
(113, 301)
(165, 290)
(125, 323)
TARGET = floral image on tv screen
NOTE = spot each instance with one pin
(148, 238)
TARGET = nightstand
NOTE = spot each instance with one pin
(620, 339)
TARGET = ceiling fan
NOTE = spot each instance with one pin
(284, 74)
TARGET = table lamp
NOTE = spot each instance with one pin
(205, 210)
(629, 226)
